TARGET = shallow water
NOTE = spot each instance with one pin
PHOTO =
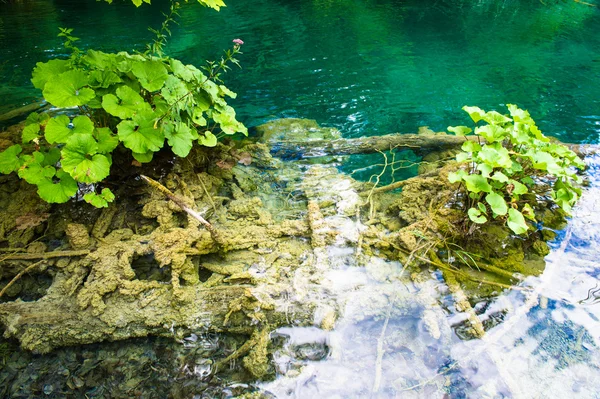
(374, 67)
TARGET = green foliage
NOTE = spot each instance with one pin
(134, 101)
(513, 159)
(216, 4)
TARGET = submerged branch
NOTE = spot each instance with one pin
(419, 143)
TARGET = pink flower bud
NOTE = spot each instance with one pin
(238, 42)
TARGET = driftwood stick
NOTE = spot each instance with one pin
(18, 276)
(419, 143)
(181, 203)
(46, 255)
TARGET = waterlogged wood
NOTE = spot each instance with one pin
(26, 109)
(419, 143)
(57, 320)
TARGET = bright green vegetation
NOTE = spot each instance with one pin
(514, 159)
(131, 100)
(216, 4)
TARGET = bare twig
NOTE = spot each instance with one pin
(18, 276)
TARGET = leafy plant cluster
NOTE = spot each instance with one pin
(513, 159)
(135, 101)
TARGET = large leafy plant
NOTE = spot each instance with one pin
(137, 101)
(509, 159)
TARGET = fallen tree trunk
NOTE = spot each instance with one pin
(56, 321)
(419, 143)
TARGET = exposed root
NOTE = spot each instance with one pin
(18, 276)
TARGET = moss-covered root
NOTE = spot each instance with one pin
(254, 351)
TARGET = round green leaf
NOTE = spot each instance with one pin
(176, 92)
(140, 134)
(491, 133)
(9, 159)
(81, 160)
(477, 183)
(58, 130)
(518, 188)
(67, 89)
(30, 132)
(456, 177)
(45, 71)
(107, 142)
(516, 222)
(180, 137)
(125, 104)
(495, 155)
(208, 139)
(460, 130)
(476, 216)
(471, 146)
(475, 113)
(225, 117)
(59, 192)
(497, 203)
(151, 74)
(143, 158)
(495, 118)
(100, 200)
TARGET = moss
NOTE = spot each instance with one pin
(257, 362)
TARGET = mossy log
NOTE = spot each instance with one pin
(419, 143)
(56, 321)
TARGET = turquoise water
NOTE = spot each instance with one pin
(368, 67)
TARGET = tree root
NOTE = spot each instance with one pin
(46, 255)
(18, 276)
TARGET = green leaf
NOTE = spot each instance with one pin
(125, 104)
(67, 89)
(224, 91)
(216, 4)
(499, 176)
(471, 146)
(455, 177)
(139, 134)
(460, 130)
(463, 156)
(482, 208)
(545, 161)
(151, 74)
(104, 79)
(9, 159)
(208, 139)
(497, 203)
(188, 73)
(519, 188)
(476, 216)
(143, 157)
(516, 222)
(495, 118)
(81, 160)
(475, 113)
(491, 133)
(198, 118)
(107, 142)
(175, 91)
(528, 181)
(528, 212)
(225, 117)
(495, 155)
(477, 183)
(518, 114)
(58, 131)
(180, 137)
(30, 132)
(45, 71)
(100, 200)
(485, 169)
(59, 192)
(51, 157)
(34, 172)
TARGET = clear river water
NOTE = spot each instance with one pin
(367, 68)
